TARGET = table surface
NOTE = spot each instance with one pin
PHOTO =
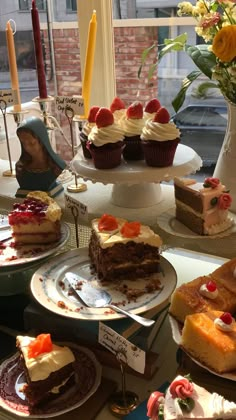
(188, 265)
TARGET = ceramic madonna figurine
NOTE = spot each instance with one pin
(38, 166)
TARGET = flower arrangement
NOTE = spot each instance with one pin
(216, 58)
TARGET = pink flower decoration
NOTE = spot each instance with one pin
(224, 201)
(156, 398)
(181, 388)
(210, 20)
(211, 182)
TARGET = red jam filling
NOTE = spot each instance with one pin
(130, 229)
(41, 344)
(24, 212)
(107, 223)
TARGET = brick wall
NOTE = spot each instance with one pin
(129, 45)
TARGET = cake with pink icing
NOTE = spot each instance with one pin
(210, 338)
(203, 206)
(106, 141)
(185, 400)
(160, 138)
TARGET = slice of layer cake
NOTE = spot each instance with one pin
(186, 400)
(121, 249)
(48, 368)
(36, 219)
(202, 294)
(202, 207)
(210, 337)
(226, 274)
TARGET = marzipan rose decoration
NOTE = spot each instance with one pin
(215, 57)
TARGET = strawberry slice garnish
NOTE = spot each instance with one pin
(117, 104)
(227, 318)
(104, 118)
(162, 116)
(130, 229)
(41, 344)
(135, 111)
(92, 114)
(107, 223)
(152, 106)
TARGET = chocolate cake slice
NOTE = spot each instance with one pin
(48, 368)
(123, 250)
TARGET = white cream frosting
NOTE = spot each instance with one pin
(206, 406)
(207, 293)
(108, 239)
(159, 132)
(222, 326)
(132, 126)
(104, 135)
(44, 364)
(119, 115)
(87, 127)
(53, 211)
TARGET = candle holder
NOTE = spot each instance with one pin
(3, 108)
(44, 105)
(123, 402)
(78, 186)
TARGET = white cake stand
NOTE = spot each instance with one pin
(136, 185)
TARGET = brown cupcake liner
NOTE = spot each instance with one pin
(133, 148)
(107, 156)
(160, 154)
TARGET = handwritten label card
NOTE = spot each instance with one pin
(77, 208)
(7, 96)
(130, 354)
(73, 104)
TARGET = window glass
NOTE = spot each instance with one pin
(71, 5)
(26, 4)
(202, 115)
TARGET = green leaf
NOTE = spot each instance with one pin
(202, 89)
(144, 56)
(182, 39)
(204, 59)
(151, 70)
(180, 97)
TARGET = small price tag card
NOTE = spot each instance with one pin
(130, 354)
(78, 209)
(8, 96)
(70, 104)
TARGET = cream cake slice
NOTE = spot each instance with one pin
(36, 220)
(122, 249)
(202, 206)
(48, 368)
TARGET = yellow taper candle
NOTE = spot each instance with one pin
(13, 67)
(89, 61)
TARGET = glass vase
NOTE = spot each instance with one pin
(225, 168)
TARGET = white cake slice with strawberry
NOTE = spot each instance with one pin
(186, 400)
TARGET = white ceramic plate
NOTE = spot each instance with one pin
(51, 290)
(13, 258)
(88, 372)
(170, 224)
(176, 334)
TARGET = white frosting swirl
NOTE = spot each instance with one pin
(222, 326)
(132, 127)
(87, 127)
(104, 135)
(119, 115)
(207, 293)
(159, 132)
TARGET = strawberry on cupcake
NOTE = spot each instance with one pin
(151, 108)
(133, 124)
(160, 138)
(118, 109)
(87, 127)
(105, 141)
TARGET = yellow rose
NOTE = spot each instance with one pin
(224, 43)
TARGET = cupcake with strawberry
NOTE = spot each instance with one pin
(87, 127)
(118, 109)
(151, 108)
(133, 124)
(160, 138)
(106, 141)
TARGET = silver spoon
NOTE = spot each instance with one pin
(99, 298)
